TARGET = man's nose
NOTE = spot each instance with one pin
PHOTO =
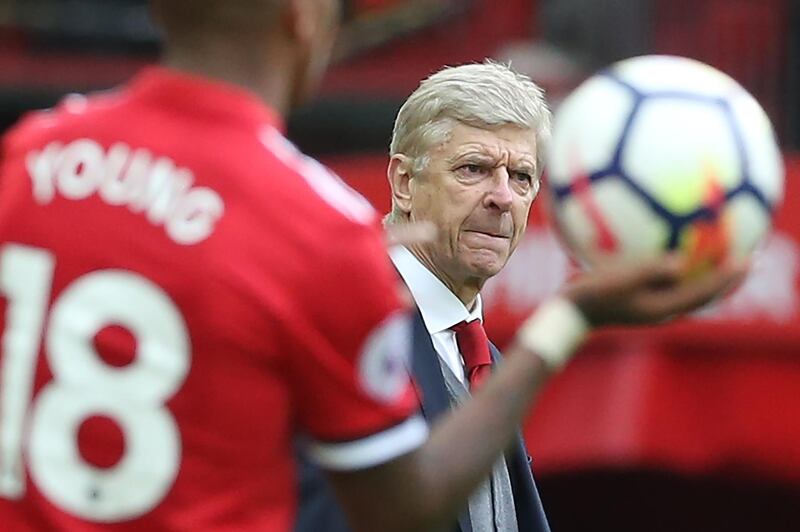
(500, 195)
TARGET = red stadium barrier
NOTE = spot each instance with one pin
(717, 391)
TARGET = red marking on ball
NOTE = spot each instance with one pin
(605, 239)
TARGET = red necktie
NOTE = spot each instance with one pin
(474, 347)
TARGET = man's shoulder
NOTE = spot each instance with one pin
(329, 191)
(314, 211)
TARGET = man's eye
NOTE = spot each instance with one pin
(522, 176)
(473, 169)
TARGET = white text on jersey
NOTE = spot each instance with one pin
(154, 186)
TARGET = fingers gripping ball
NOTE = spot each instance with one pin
(662, 153)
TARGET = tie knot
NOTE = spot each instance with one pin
(473, 344)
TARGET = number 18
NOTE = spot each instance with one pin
(44, 429)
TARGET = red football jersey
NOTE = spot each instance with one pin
(183, 295)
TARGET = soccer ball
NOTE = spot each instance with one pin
(662, 153)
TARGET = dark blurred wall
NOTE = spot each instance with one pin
(598, 32)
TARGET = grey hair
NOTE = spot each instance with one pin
(484, 95)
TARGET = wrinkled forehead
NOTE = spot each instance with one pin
(506, 143)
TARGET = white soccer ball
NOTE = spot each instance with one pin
(661, 153)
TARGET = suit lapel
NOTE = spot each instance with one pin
(530, 513)
(428, 372)
(431, 389)
(433, 397)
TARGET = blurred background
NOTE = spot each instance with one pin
(694, 426)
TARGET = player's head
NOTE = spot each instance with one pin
(286, 40)
(466, 154)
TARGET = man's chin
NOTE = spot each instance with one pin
(485, 264)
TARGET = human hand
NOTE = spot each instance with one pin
(650, 292)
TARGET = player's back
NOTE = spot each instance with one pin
(159, 260)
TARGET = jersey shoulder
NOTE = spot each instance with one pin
(332, 195)
(309, 207)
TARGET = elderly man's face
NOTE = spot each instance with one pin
(477, 189)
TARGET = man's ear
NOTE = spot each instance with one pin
(299, 20)
(399, 174)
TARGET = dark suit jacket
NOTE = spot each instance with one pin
(318, 511)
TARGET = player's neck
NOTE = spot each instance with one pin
(251, 71)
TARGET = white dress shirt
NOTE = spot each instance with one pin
(440, 308)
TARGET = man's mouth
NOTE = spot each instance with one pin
(492, 234)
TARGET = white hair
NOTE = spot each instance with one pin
(484, 95)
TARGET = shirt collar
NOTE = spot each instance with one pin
(440, 308)
(221, 101)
